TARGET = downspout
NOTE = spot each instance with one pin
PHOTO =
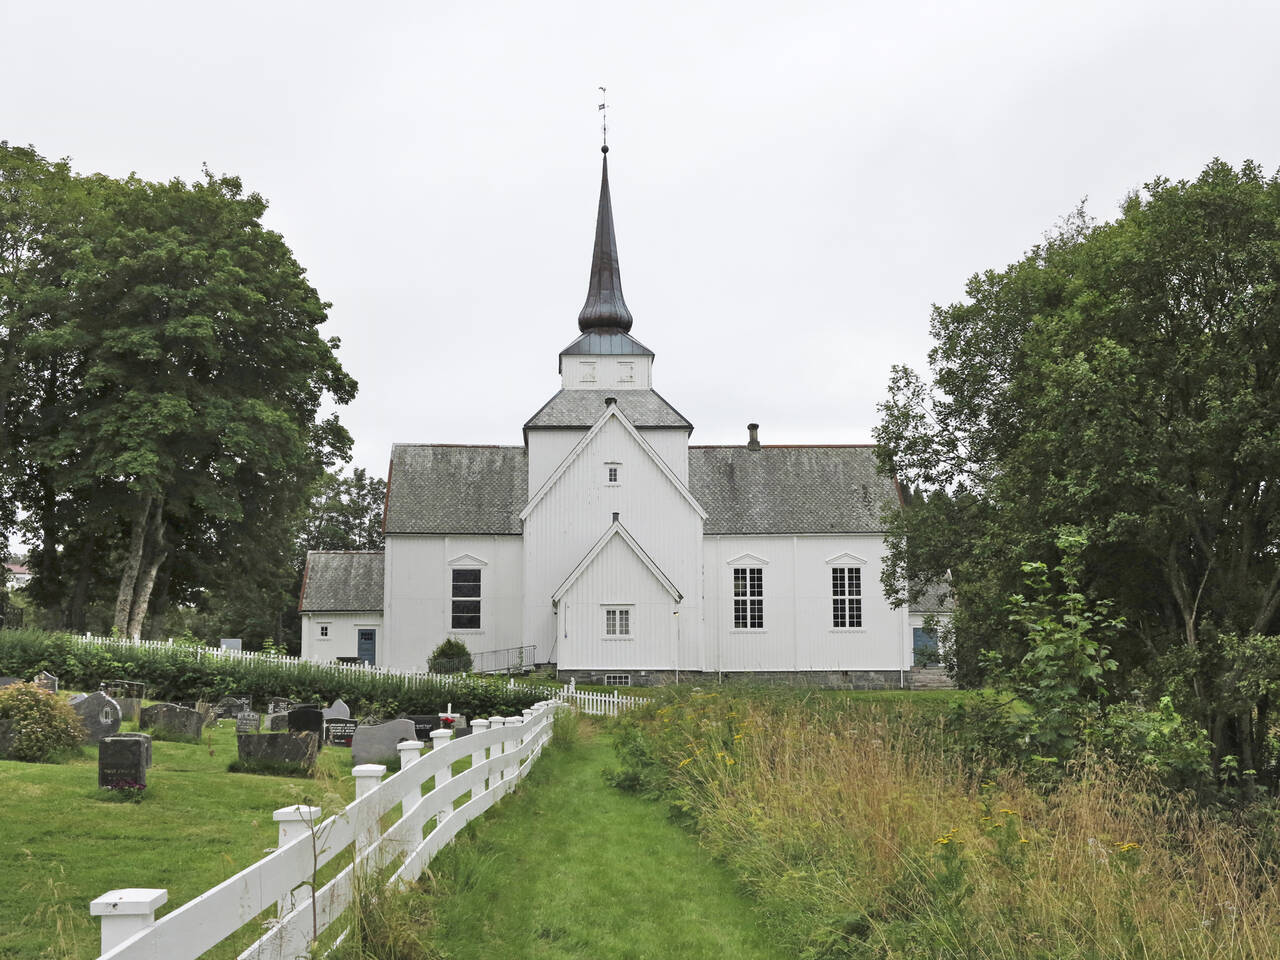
(676, 613)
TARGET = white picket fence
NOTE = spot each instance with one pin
(589, 702)
(502, 750)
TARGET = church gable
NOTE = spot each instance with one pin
(620, 554)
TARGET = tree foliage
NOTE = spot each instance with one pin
(1121, 383)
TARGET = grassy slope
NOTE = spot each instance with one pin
(61, 846)
(571, 867)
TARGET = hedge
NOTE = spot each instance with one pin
(181, 672)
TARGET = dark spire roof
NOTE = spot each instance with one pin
(605, 309)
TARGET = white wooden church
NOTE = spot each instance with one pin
(608, 545)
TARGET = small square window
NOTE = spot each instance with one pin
(324, 631)
(617, 679)
(589, 371)
(612, 472)
(626, 371)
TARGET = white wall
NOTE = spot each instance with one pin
(341, 641)
(606, 373)
(579, 508)
(616, 577)
(548, 448)
(797, 632)
(417, 595)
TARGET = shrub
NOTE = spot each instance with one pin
(452, 656)
(35, 726)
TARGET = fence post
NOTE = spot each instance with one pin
(478, 756)
(368, 776)
(517, 743)
(126, 912)
(438, 739)
(410, 752)
(499, 748)
(294, 822)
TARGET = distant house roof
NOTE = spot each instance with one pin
(446, 488)
(937, 598)
(341, 580)
(790, 489)
(582, 408)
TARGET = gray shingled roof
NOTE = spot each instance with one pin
(582, 408)
(442, 488)
(937, 598)
(790, 489)
(342, 580)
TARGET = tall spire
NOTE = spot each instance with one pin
(605, 309)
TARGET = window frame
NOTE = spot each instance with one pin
(747, 590)
(622, 613)
(617, 679)
(612, 473)
(846, 597)
(324, 631)
(456, 598)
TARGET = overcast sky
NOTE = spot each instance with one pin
(794, 184)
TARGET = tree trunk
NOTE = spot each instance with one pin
(156, 551)
(79, 598)
(129, 575)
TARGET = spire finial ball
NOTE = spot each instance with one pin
(605, 148)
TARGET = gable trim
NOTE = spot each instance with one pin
(845, 559)
(616, 529)
(611, 411)
(467, 560)
(747, 559)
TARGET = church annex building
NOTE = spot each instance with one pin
(621, 553)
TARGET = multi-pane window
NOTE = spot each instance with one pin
(748, 598)
(617, 623)
(466, 600)
(324, 631)
(846, 596)
(612, 472)
(617, 679)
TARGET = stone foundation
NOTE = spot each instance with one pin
(825, 679)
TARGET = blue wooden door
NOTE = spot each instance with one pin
(366, 645)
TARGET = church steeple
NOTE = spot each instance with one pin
(605, 309)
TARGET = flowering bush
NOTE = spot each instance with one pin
(36, 726)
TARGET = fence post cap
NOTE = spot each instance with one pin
(369, 770)
(497, 721)
(404, 745)
(297, 812)
(438, 736)
(480, 724)
(130, 901)
(513, 721)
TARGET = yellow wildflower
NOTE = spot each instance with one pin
(686, 760)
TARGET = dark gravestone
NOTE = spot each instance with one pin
(189, 704)
(280, 705)
(248, 722)
(147, 715)
(178, 723)
(339, 732)
(143, 738)
(276, 722)
(297, 747)
(46, 681)
(116, 689)
(76, 698)
(376, 743)
(121, 762)
(230, 707)
(99, 714)
(308, 718)
(423, 724)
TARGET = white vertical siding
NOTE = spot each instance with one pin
(797, 607)
(549, 447)
(341, 641)
(578, 509)
(608, 371)
(617, 577)
(418, 586)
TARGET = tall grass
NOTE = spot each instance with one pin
(180, 672)
(862, 835)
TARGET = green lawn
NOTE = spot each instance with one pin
(61, 845)
(573, 868)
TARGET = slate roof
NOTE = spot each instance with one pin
(446, 488)
(341, 580)
(937, 598)
(790, 489)
(582, 408)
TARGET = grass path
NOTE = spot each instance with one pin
(571, 867)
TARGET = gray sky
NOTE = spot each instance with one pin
(793, 184)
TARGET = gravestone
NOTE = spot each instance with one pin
(277, 721)
(99, 714)
(116, 689)
(248, 722)
(46, 681)
(121, 760)
(147, 715)
(130, 707)
(143, 738)
(230, 707)
(177, 723)
(309, 718)
(423, 724)
(76, 698)
(205, 709)
(9, 681)
(339, 732)
(337, 711)
(298, 747)
(376, 743)
(280, 705)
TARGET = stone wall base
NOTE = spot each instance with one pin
(826, 679)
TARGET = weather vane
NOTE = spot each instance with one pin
(604, 119)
